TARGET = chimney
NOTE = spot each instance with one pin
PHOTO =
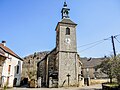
(4, 43)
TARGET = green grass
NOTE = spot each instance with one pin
(112, 84)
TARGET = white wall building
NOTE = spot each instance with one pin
(12, 67)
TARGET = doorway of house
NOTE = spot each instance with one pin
(14, 82)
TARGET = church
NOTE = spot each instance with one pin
(62, 66)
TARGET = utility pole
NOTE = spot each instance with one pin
(112, 37)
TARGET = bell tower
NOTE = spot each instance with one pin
(65, 11)
(66, 50)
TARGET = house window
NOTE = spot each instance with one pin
(18, 62)
(67, 31)
(9, 68)
(17, 69)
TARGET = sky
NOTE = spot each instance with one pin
(28, 26)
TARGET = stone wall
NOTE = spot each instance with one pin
(98, 81)
(48, 68)
(63, 46)
(67, 66)
(92, 73)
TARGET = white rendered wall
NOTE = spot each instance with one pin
(13, 61)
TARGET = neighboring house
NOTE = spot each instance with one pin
(2, 59)
(89, 68)
(62, 66)
(11, 67)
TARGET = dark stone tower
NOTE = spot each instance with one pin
(66, 50)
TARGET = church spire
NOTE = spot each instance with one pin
(65, 11)
(65, 4)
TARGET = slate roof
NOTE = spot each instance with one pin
(67, 21)
(92, 62)
(7, 50)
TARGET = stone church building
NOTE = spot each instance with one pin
(62, 66)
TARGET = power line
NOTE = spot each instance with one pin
(97, 42)
(93, 43)
(117, 39)
(116, 35)
(91, 46)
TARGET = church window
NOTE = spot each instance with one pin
(82, 73)
(67, 31)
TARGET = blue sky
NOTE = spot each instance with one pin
(28, 26)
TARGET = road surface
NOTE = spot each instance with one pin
(91, 87)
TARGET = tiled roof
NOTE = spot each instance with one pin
(92, 62)
(1, 54)
(7, 50)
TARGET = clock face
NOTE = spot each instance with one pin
(67, 40)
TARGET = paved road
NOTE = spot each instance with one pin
(92, 87)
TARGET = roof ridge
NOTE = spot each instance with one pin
(67, 20)
(8, 50)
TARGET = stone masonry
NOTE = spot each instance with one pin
(62, 67)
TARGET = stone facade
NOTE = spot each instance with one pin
(63, 45)
(89, 68)
(47, 67)
(62, 64)
(50, 67)
(67, 54)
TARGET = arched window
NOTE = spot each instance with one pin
(67, 31)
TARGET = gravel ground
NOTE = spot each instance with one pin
(92, 87)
